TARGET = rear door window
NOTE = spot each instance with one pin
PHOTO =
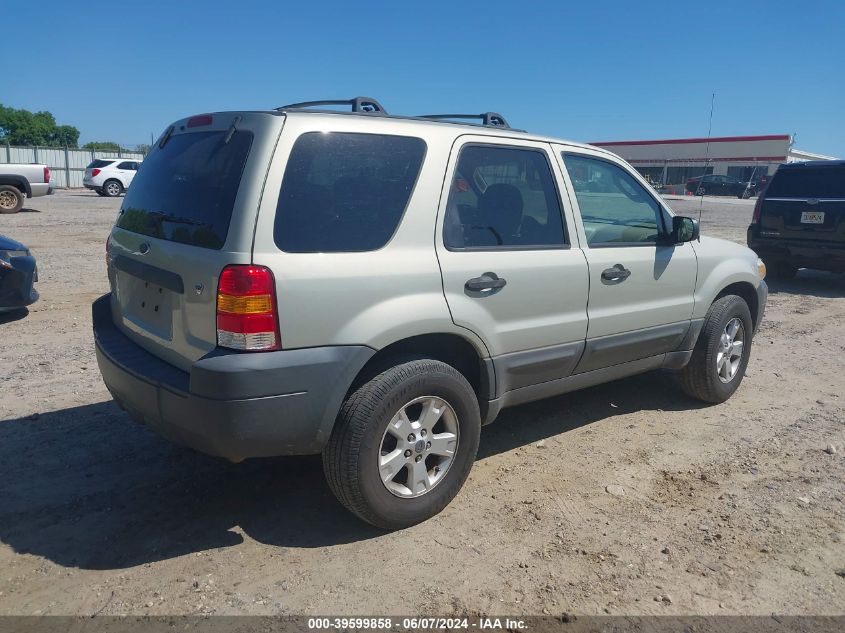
(808, 182)
(345, 192)
(503, 197)
(187, 189)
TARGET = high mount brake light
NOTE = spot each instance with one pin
(200, 120)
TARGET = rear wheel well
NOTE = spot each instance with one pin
(18, 183)
(747, 292)
(451, 349)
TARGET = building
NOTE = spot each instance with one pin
(674, 161)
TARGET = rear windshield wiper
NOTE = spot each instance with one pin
(232, 129)
(174, 219)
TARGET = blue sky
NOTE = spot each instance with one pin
(586, 70)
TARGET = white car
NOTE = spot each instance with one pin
(110, 177)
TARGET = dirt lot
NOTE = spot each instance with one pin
(735, 508)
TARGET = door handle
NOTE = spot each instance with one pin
(617, 273)
(487, 281)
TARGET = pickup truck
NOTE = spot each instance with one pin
(20, 181)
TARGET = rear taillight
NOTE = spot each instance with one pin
(247, 317)
(46, 174)
(758, 206)
(94, 172)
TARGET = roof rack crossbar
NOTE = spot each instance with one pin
(366, 105)
(493, 119)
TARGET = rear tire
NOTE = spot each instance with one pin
(718, 365)
(11, 199)
(112, 188)
(379, 420)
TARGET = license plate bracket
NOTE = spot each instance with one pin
(146, 305)
(812, 217)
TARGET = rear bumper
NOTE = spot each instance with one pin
(802, 253)
(40, 189)
(230, 404)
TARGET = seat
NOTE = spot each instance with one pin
(500, 213)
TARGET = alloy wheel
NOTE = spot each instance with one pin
(418, 447)
(729, 355)
(8, 200)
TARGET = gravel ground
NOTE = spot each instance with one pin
(735, 508)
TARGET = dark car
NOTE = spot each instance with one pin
(714, 185)
(18, 273)
(799, 221)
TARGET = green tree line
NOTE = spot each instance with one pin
(22, 127)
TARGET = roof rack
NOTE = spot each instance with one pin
(493, 119)
(366, 105)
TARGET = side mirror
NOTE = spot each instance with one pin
(684, 229)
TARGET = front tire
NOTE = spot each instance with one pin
(112, 188)
(721, 353)
(11, 199)
(403, 444)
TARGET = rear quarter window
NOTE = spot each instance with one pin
(345, 192)
(187, 189)
(99, 164)
(812, 182)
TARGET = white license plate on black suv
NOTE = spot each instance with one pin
(812, 217)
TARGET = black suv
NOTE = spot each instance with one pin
(799, 221)
(714, 185)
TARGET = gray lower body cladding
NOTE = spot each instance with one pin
(230, 404)
(536, 374)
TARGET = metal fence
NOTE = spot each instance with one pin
(67, 166)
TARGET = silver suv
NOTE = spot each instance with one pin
(377, 288)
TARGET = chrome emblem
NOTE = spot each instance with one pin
(812, 200)
(144, 248)
(199, 288)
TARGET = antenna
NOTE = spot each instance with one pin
(706, 156)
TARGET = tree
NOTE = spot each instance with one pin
(103, 146)
(65, 136)
(22, 127)
(144, 148)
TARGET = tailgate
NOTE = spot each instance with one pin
(820, 220)
(806, 202)
(189, 213)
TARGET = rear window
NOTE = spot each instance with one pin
(99, 163)
(187, 189)
(345, 192)
(812, 182)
